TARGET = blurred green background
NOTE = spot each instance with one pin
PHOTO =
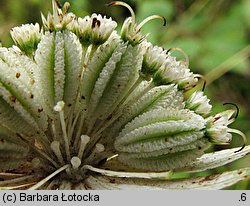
(214, 33)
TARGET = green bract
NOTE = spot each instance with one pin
(82, 107)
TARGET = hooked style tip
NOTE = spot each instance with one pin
(66, 7)
(236, 106)
(204, 85)
(151, 18)
(243, 146)
(164, 21)
(121, 3)
(242, 135)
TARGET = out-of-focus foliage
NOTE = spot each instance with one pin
(215, 35)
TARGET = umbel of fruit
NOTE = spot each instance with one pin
(83, 107)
